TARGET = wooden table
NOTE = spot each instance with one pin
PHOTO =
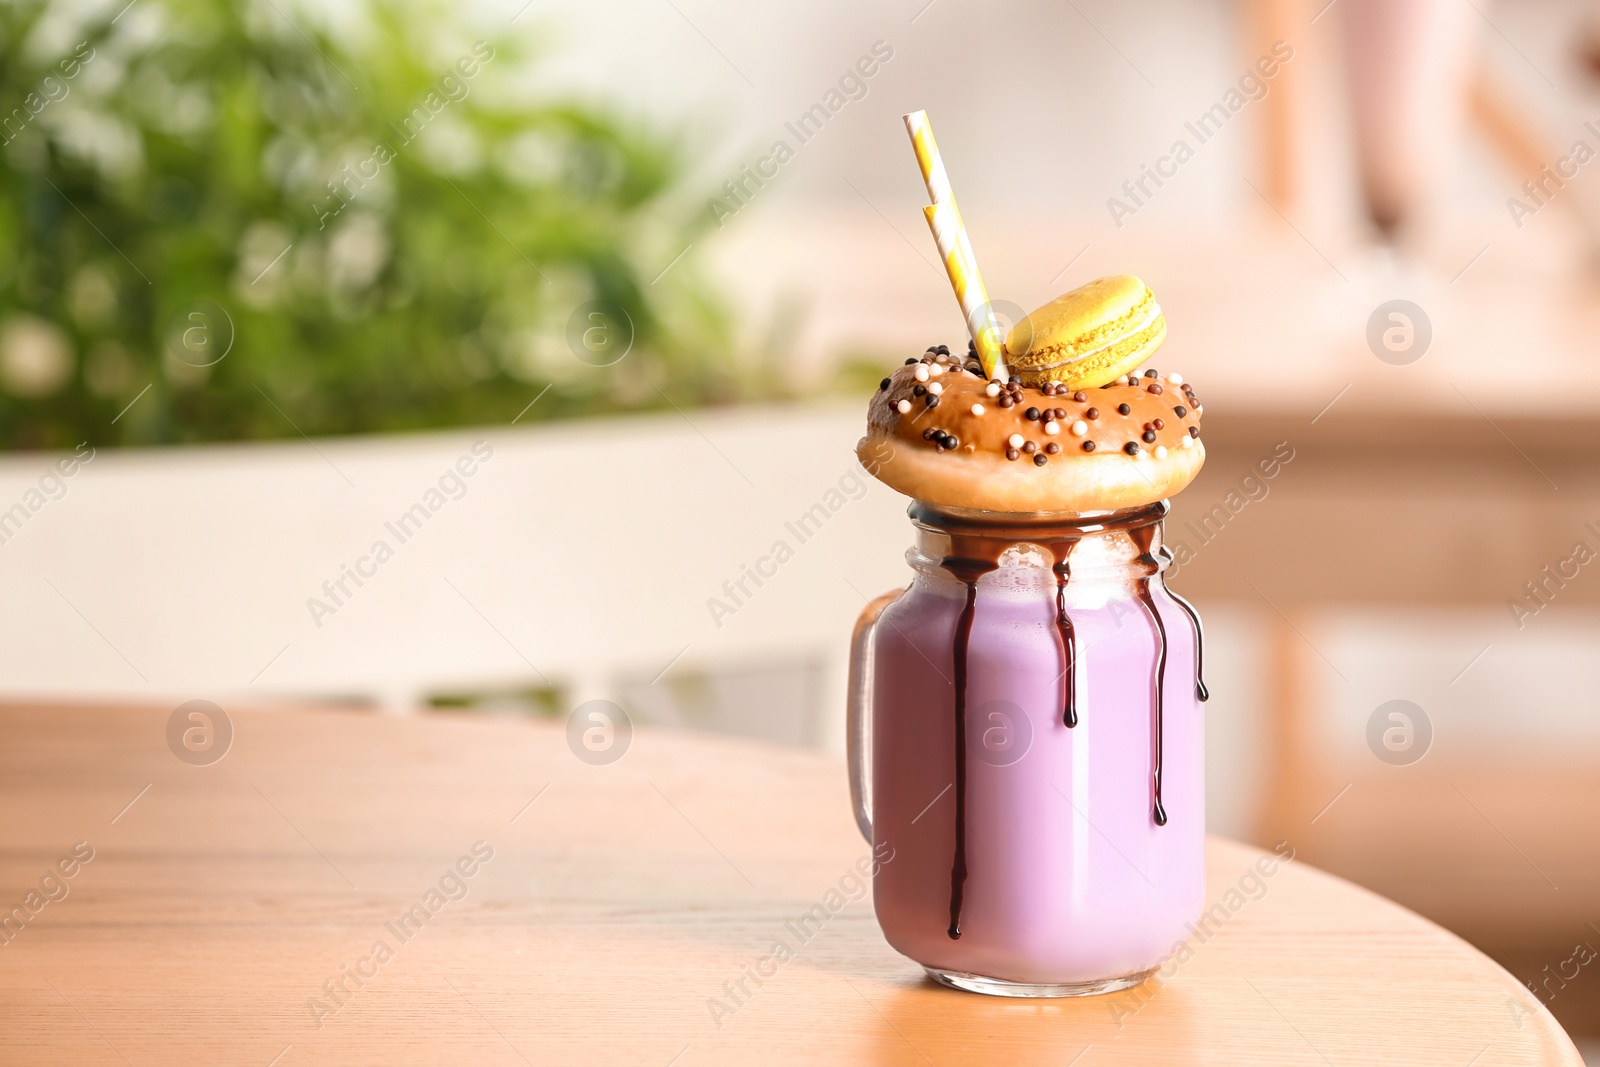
(223, 901)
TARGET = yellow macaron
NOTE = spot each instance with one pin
(1089, 337)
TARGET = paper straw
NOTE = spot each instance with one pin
(955, 248)
(928, 158)
(945, 223)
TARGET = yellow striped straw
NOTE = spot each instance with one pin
(945, 223)
(955, 248)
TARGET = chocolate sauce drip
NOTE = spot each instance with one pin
(1144, 539)
(1200, 691)
(1069, 637)
(968, 571)
(1157, 812)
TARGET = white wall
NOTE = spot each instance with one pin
(589, 547)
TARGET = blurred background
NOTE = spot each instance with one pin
(461, 359)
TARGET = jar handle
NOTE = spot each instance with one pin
(858, 721)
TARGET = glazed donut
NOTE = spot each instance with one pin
(939, 432)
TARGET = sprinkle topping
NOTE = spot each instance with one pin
(1004, 417)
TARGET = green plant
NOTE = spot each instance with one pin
(380, 232)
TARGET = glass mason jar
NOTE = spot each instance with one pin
(1027, 750)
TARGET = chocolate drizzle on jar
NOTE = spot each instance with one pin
(1200, 691)
(977, 541)
(968, 571)
(1194, 616)
(1069, 637)
(1144, 538)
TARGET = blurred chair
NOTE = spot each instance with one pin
(1414, 75)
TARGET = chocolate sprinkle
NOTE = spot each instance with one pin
(1159, 424)
(1052, 448)
(1092, 413)
(883, 385)
(1012, 453)
(1032, 414)
(1194, 431)
(1153, 388)
(1040, 459)
(919, 390)
(1123, 409)
(931, 401)
(1080, 396)
(1180, 411)
(1149, 437)
(1029, 447)
(1150, 374)
(1088, 446)
(1131, 448)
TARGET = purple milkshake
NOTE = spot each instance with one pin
(1026, 729)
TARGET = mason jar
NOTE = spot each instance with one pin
(1026, 749)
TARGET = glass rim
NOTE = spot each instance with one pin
(943, 518)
